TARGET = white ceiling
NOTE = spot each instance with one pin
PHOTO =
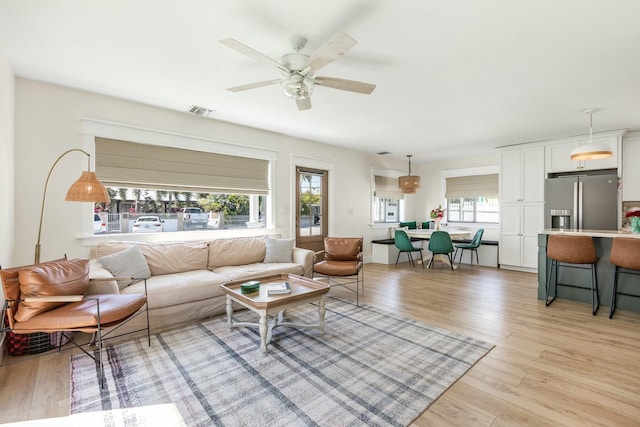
(454, 77)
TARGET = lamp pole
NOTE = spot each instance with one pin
(44, 196)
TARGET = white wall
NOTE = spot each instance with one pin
(49, 121)
(432, 185)
(6, 161)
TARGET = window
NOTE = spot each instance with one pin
(187, 189)
(386, 200)
(477, 209)
(181, 211)
(473, 198)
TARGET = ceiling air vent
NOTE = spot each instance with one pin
(200, 111)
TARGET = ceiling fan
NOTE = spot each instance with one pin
(298, 68)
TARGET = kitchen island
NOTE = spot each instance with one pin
(574, 284)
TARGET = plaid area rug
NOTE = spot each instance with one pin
(369, 368)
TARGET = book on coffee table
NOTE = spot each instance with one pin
(278, 288)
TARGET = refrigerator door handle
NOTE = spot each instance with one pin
(574, 218)
(580, 190)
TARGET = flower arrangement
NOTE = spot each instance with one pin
(437, 213)
(633, 212)
(634, 219)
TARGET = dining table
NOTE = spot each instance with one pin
(425, 234)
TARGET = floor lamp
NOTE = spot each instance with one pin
(87, 188)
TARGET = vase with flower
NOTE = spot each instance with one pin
(436, 215)
(633, 216)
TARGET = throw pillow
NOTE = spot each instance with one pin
(128, 263)
(59, 278)
(279, 250)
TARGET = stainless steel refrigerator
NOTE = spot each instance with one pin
(582, 202)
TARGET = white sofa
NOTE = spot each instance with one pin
(185, 277)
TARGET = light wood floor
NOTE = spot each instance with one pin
(552, 366)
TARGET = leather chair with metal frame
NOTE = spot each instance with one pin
(36, 300)
(342, 264)
(571, 252)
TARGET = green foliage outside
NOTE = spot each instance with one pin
(229, 204)
(306, 200)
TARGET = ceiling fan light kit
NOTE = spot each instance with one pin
(409, 184)
(592, 150)
(298, 68)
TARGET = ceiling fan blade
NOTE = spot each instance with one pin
(252, 53)
(343, 84)
(253, 85)
(303, 103)
(333, 49)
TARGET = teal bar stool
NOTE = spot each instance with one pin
(625, 255)
(572, 252)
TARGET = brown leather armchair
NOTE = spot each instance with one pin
(342, 264)
(50, 297)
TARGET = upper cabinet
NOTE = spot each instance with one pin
(522, 175)
(558, 153)
(630, 169)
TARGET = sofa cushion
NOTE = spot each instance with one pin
(168, 258)
(113, 247)
(130, 262)
(59, 278)
(237, 251)
(172, 289)
(257, 270)
(278, 250)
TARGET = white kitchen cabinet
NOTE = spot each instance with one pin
(630, 169)
(558, 153)
(522, 175)
(521, 205)
(520, 224)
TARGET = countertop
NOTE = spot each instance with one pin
(592, 233)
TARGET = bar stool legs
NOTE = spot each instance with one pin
(572, 252)
(625, 255)
(553, 273)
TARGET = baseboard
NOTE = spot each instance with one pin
(517, 268)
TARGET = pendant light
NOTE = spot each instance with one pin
(591, 151)
(409, 184)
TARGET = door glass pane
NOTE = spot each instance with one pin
(310, 209)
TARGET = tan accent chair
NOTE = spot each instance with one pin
(50, 297)
(572, 252)
(625, 253)
(342, 263)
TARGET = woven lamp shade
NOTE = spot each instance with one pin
(409, 184)
(88, 188)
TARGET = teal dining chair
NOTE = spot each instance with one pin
(440, 244)
(403, 243)
(472, 246)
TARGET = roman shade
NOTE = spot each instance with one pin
(472, 186)
(154, 167)
(387, 188)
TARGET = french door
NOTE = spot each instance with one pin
(311, 211)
